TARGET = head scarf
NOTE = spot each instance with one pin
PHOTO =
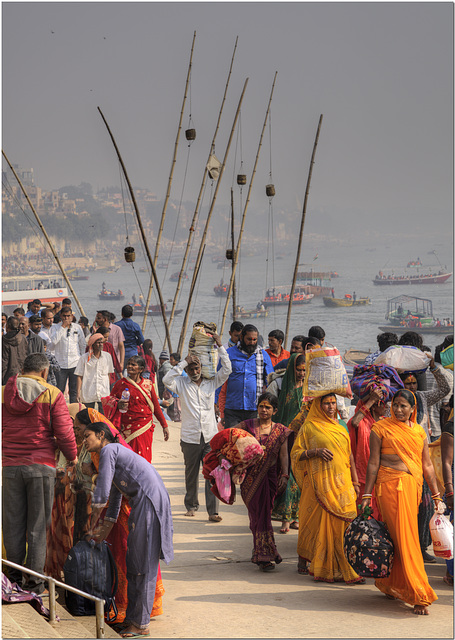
(96, 416)
(93, 338)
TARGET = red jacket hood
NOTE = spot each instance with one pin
(21, 393)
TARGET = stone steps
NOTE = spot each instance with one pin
(21, 620)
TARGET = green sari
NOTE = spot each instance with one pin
(286, 505)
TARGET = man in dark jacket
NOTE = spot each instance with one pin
(35, 422)
(14, 350)
(35, 343)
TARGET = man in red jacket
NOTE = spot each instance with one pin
(35, 422)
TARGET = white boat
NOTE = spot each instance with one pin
(18, 290)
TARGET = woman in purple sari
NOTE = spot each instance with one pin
(263, 480)
(122, 471)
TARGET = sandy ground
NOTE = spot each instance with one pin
(214, 591)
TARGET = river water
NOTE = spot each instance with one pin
(344, 327)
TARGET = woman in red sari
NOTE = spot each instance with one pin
(136, 425)
(267, 476)
(117, 538)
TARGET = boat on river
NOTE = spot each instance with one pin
(175, 276)
(250, 313)
(419, 278)
(410, 313)
(441, 330)
(221, 289)
(347, 301)
(18, 290)
(105, 294)
(154, 310)
(279, 296)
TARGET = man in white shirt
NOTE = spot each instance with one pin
(92, 373)
(68, 342)
(47, 319)
(197, 396)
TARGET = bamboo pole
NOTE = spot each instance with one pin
(209, 215)
(302, 224)
(141, 228)
(168, 193)
(192, 228)
(233, 252)
(239, 239)
(54, 253)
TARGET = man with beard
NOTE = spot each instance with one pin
(198, 425)
(250, 367)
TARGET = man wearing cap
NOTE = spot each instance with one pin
(197, 395)
(164, 367)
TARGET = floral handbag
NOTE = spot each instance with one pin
(368, 547)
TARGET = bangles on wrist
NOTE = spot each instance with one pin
(449, 494)
(436, 495)
(367, 495)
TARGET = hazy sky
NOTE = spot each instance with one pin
(380, 73)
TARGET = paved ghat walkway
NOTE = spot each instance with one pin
(214, 591)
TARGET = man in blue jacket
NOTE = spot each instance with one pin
(131, 331)
(250, 367)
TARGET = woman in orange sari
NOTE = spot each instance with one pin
(136, 424)
(119, 533)
(399, 459)
(324, 468)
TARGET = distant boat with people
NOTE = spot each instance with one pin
(18, 290)
(250, 313)
(420, 278)
(279, 296)
(410, 313)
(347, 301)
(105, 294)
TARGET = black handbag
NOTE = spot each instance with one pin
(368, 547)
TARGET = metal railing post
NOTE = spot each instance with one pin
(52, 607)
(99, 612)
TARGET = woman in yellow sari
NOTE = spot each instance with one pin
(399, 459)
(323, 466)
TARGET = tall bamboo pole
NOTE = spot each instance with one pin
(168, 193)
(54, 253)
(302, 223)
(239, 239)
(233, 252)
(209, 215)
(196, 210)
(141, 228)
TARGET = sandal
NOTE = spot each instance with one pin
(294, 525)
(302, 569)
(266, 566)
(448, 580)
(215, 518)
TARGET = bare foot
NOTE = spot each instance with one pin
(421, 610)
(284, 526)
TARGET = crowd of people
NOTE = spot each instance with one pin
(80, 406)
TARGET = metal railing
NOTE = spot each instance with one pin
(52, 582)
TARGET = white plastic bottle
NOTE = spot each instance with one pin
(125, 397)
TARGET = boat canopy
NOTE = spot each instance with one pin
(402, 304)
